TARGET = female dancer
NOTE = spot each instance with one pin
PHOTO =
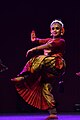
(35, 81)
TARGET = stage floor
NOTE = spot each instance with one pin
(39, 117)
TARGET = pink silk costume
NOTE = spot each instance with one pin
(42, 70)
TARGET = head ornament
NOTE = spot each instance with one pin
(57, 21)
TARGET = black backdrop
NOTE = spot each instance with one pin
(17, 20)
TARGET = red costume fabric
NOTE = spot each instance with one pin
(41, 71)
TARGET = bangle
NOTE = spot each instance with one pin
(37, 38)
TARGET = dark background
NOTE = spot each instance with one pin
(17, 20)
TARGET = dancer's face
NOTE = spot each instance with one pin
(56, 30)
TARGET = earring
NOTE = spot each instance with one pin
(51, 34)
(62, 31)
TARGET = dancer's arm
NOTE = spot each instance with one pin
(49, 45)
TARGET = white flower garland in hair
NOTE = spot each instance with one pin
(57, 21)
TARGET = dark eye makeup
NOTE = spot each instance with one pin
(57, 28)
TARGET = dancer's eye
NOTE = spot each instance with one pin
(57, 28)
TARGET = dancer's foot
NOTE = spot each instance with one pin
(17, 79)
(78, 74)
(52, 117)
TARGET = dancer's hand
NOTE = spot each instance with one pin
(29, 52)
(33, 36)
